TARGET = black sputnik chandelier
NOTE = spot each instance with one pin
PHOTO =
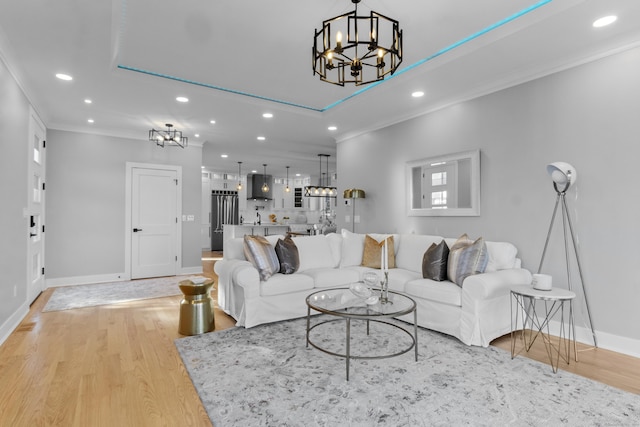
(357, 49)
(169, 137)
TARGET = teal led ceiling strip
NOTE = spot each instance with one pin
(360, 91)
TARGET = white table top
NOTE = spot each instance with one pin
(552, 294)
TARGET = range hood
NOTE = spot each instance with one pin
(254, 187)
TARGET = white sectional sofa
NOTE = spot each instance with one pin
(475, 313)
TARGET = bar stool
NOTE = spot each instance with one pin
(196, 308)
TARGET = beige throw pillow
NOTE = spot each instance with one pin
(371, 255)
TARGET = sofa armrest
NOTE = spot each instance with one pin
(495, 283)
(247, 276)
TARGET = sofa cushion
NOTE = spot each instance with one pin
(285, 283)
(372, 252)
(262, 255)
(288, 256)
(411, 249)
(444, 292)
(332, 277)
(466, 257)
(398, 277)
(434, 262)
(315, 252)
(352, 248)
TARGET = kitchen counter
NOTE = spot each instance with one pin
(240, 230)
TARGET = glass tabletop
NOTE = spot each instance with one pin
(346, 302)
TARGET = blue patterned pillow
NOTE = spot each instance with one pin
(466, 257)
(262, 255)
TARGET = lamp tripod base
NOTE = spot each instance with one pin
(567, 226)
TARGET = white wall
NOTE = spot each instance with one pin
(587, 116)
(86, 201)
(14, 232)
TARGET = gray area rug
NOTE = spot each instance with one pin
(69, 297)
(265, 376)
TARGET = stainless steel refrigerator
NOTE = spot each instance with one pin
(224, 210)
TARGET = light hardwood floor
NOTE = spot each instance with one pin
(117, 365)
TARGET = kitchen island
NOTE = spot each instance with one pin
(230, 231)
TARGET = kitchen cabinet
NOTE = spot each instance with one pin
(282, 199)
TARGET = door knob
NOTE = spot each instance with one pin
(135, 230)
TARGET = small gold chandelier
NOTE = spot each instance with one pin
(372, 48)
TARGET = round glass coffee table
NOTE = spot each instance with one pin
(341, 303)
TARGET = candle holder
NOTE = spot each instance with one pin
(384, 292)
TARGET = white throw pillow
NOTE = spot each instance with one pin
(314, 252)
(411, 248)
(352, 248)
(502, 255)
(335, 241)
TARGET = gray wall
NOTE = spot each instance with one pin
(586, 116)
(86, 201)
(14, 123)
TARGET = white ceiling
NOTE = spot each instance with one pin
(235, 60)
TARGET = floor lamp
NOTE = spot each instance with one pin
(353, 194)
(564, 175)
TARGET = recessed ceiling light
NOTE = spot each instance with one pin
(90, 120)
(224, 156)
(182, 99)
(88, 101)
(417, 94)
(297, 174)
(213, 122)
(201, 167)
(332, 128)
(604, 21)
(261, 138)
(267, 115)
(254, 171)
(62, 76)
(197, 135)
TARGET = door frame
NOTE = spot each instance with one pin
(128, 233)
(35, 126)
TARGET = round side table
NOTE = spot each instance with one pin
(534, 309)
(196, 308)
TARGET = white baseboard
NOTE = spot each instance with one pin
(85, 280)
(12, 322)
(190, 270)
(102, 278)
(624, 345)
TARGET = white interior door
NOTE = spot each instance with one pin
(154, 221)
(35, 207)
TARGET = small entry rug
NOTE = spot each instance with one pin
(265, 376)
(69, 297)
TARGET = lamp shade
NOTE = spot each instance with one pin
(562, 174)
(353, 193)
(357, 193)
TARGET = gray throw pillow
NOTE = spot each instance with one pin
(261, 254)
(434, 262)
(288, 255)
